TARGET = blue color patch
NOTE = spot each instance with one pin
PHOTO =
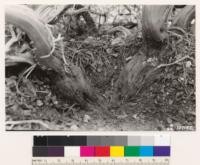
(146, 151)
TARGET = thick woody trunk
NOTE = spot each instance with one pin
(72, 85)
(139, 73)
(184, 17)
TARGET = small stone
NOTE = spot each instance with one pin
(74, 127)
(135, 116)
(128, 58)
(169, 121)
(170, 102)
(188, 64)
(39, 103)
(55, 102)
(72, 40)
(109, 51)
(181, 79)
(114, 55)
(86, 118)
(99, 70)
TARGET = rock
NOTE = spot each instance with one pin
(114, 55)
(109, 51)
(170, 102)
(128, 58)
(188, 64)
(39, 103)
(74, 127)
(135, 116)
(86, 118)
(169, 121)
(99, 70)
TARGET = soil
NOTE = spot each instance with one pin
(166, 104)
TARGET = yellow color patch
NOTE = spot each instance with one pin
(116, 151)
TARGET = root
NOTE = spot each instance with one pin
(14, 60)
(122, 29)
(78, 11)
(150, 74)
(14, 38)
(39, 122)
(173, 63)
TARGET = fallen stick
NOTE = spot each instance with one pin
(173, 63)
(13, 123)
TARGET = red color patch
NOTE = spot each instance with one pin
(102, 151)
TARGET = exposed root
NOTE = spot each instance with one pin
(175, 28)
(76, 12)
(14, 123)
(122, 29)
(173, 63)
(14, 38)
(14, 60)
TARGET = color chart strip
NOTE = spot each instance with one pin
(101, 146)
(99, 151)
(101, 140)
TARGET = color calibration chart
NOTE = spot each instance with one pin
(105, 150)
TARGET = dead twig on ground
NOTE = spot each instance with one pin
(14, 123)
(76, 12)
(173, 63)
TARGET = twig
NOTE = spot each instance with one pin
(122, 29)
(176, 35)
(27, 72)
(18, 91)
(13, 40)
(161, 66)
(54, 43)
(75, 12)
(173, 63)
(30, 70)
(14, 123)
(13, 60)
(178, 29)
(180, 36)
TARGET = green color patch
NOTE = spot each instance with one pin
(131, 151)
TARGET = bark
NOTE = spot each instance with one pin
(184, 17)
(154, 22)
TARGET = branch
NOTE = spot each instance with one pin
(150, 73)
(173, 63)
(14, 38)
(20, 58)
(13, 123)
(75, 12)
(122, 29)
